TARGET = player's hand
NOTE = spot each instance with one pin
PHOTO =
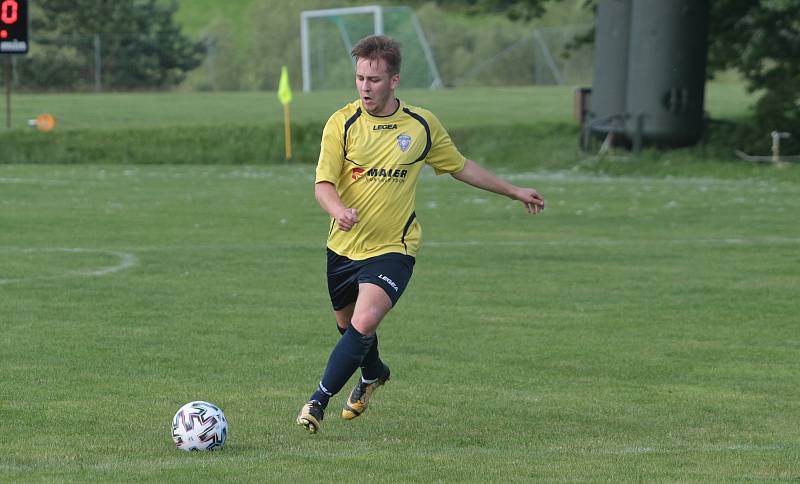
(347, 218)
(533, 201)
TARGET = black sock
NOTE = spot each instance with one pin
(345, 358)
(372, 366)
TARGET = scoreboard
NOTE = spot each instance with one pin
(13, 26)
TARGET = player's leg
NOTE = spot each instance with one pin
(370, 308)
(372, 367)
(372, 305)
(343, 290)
(381, 281)
(374, 372)
(391, 273)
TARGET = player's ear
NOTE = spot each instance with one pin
(394, 81)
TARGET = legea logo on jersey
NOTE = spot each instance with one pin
(358, 173)
(404, 142)
(379, 127)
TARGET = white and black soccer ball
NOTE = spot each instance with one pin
(199, 426)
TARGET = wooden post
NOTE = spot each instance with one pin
(287, 132)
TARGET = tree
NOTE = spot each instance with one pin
(140, 44)
(761, 40)
(515, 9)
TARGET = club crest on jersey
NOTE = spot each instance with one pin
(404, 142)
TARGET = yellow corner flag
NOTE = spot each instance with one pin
(285, 96)
(284, 90)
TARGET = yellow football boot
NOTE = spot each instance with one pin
(359, 398)
(310, 416)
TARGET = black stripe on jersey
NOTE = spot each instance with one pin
(405, 229)
(347, 125)
(428, 142)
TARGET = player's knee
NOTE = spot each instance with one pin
(366, 322)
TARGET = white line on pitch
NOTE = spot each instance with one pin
(126, 261)
(32, 181)
(615, 242)
(288, 245)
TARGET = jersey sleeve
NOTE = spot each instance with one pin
(444, 157)
(331, 153)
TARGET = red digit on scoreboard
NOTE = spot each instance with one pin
(8, 11)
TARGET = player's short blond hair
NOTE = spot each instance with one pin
(377, 47)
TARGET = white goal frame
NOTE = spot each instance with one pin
(377, 13)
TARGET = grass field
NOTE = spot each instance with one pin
(639, 329)
(145, 110)
(457, 108)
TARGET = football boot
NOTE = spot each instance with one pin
(359, 398)
(311, 416)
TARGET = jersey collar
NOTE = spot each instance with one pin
(382, 119)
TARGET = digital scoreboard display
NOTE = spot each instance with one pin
(14, 27)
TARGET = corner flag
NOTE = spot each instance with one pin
(285, 96)
(284, 90)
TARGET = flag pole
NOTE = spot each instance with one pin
(287, 132)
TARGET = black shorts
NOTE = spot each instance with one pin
(389, 271)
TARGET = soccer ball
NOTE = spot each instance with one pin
(199, 426)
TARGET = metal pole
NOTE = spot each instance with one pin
(9, 66)
(305, 52)
(426, 48)
(378, 23)
(98, 64)
(548, 57)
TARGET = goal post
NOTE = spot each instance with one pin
(327, 37)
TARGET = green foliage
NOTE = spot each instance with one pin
(141, 46)
(247, 52)
(221, 144)
(516, 146)
(514, 9)
(250, 41)
(761, 39)
(275, 26)
(464, 48)
(263, 144)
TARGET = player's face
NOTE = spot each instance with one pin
(376, 87)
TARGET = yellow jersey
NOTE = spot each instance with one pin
(374, 163)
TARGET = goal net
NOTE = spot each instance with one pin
(328, 36)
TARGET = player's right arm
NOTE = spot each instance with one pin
(328, 199)
(329, 170)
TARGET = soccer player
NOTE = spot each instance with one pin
(372, 153)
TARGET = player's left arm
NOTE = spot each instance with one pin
(477, 176)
